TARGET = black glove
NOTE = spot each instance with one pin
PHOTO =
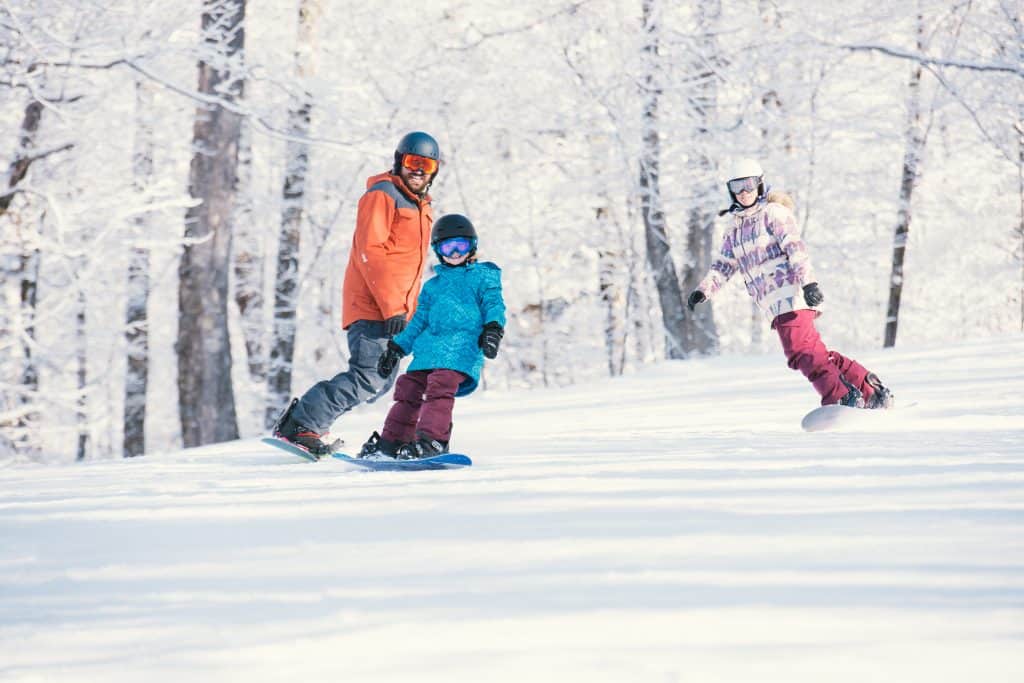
(696, 297)
(389, 359)
(394, 325)
(813, 295)
(490, 339)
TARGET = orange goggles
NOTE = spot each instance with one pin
(414, 162)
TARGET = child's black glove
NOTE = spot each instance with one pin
(490, 339)
(389, 359)
(696, 297)
(394, 325)
(813, 295)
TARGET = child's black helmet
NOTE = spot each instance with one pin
(452, 225)
(418, 143)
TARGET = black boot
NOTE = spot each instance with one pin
(291, 431)
(423, 447)
(378, 445)
(882, 398)
(854, 398)
(285, 415)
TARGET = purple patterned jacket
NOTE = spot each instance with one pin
(765, 245)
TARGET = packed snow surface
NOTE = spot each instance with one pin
(672, 525)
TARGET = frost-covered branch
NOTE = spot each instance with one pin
(483, 36)
(17, 170)
(995, 67)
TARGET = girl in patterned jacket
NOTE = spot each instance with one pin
(765, 245)
(459, 319)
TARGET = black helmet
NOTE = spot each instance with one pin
(452, 225)
(418, 143)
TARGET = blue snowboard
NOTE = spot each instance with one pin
(445, 461)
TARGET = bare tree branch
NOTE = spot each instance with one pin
(260, 122)
(997, 67)
(18, 170)
(483, 36)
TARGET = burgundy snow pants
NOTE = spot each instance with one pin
(424, 400)
(805, 352)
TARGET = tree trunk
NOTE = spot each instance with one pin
(82, 361)
(30, 262)
(205, 394)
(286, 291)
(1019, 126)
(249, 249)
(24, 270)
(1018, 25)
(23, 158)
(136, 323)
(659, 256)
(611, 257)
(913, 153)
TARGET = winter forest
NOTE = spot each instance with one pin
(180, 180)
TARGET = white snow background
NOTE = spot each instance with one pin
(674, 525)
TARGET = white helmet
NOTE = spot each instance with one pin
(745, 168)
(741, 169)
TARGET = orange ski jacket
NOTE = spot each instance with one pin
(389, 251)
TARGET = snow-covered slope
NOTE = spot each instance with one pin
(675, 525)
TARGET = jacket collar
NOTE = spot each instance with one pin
(441, 268)
(397, 181)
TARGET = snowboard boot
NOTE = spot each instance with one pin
(854, 398)
(378, 445)
(882, 398)
(423, 447)
(291, 431)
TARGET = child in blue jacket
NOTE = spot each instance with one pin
(459, 319)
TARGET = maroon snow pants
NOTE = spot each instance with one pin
(805, 352)
(424, 400)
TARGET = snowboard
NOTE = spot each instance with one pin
(445, 461)
(824, 418)
(293, 448)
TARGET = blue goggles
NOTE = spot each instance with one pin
(455, 246)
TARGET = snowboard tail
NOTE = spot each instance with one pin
(835, 416)
(295, 449)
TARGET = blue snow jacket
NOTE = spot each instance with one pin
(450, 314)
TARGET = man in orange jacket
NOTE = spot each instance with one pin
(382, 281)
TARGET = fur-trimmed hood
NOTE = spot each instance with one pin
(780, 197)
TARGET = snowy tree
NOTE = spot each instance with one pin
(138, 286)
(659, 255)
(916, 138)
(699, 332)
(248, 248)
(205, 391)
(287, 284)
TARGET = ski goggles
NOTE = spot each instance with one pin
(737, 185)
(456, 246)
(414, 162)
